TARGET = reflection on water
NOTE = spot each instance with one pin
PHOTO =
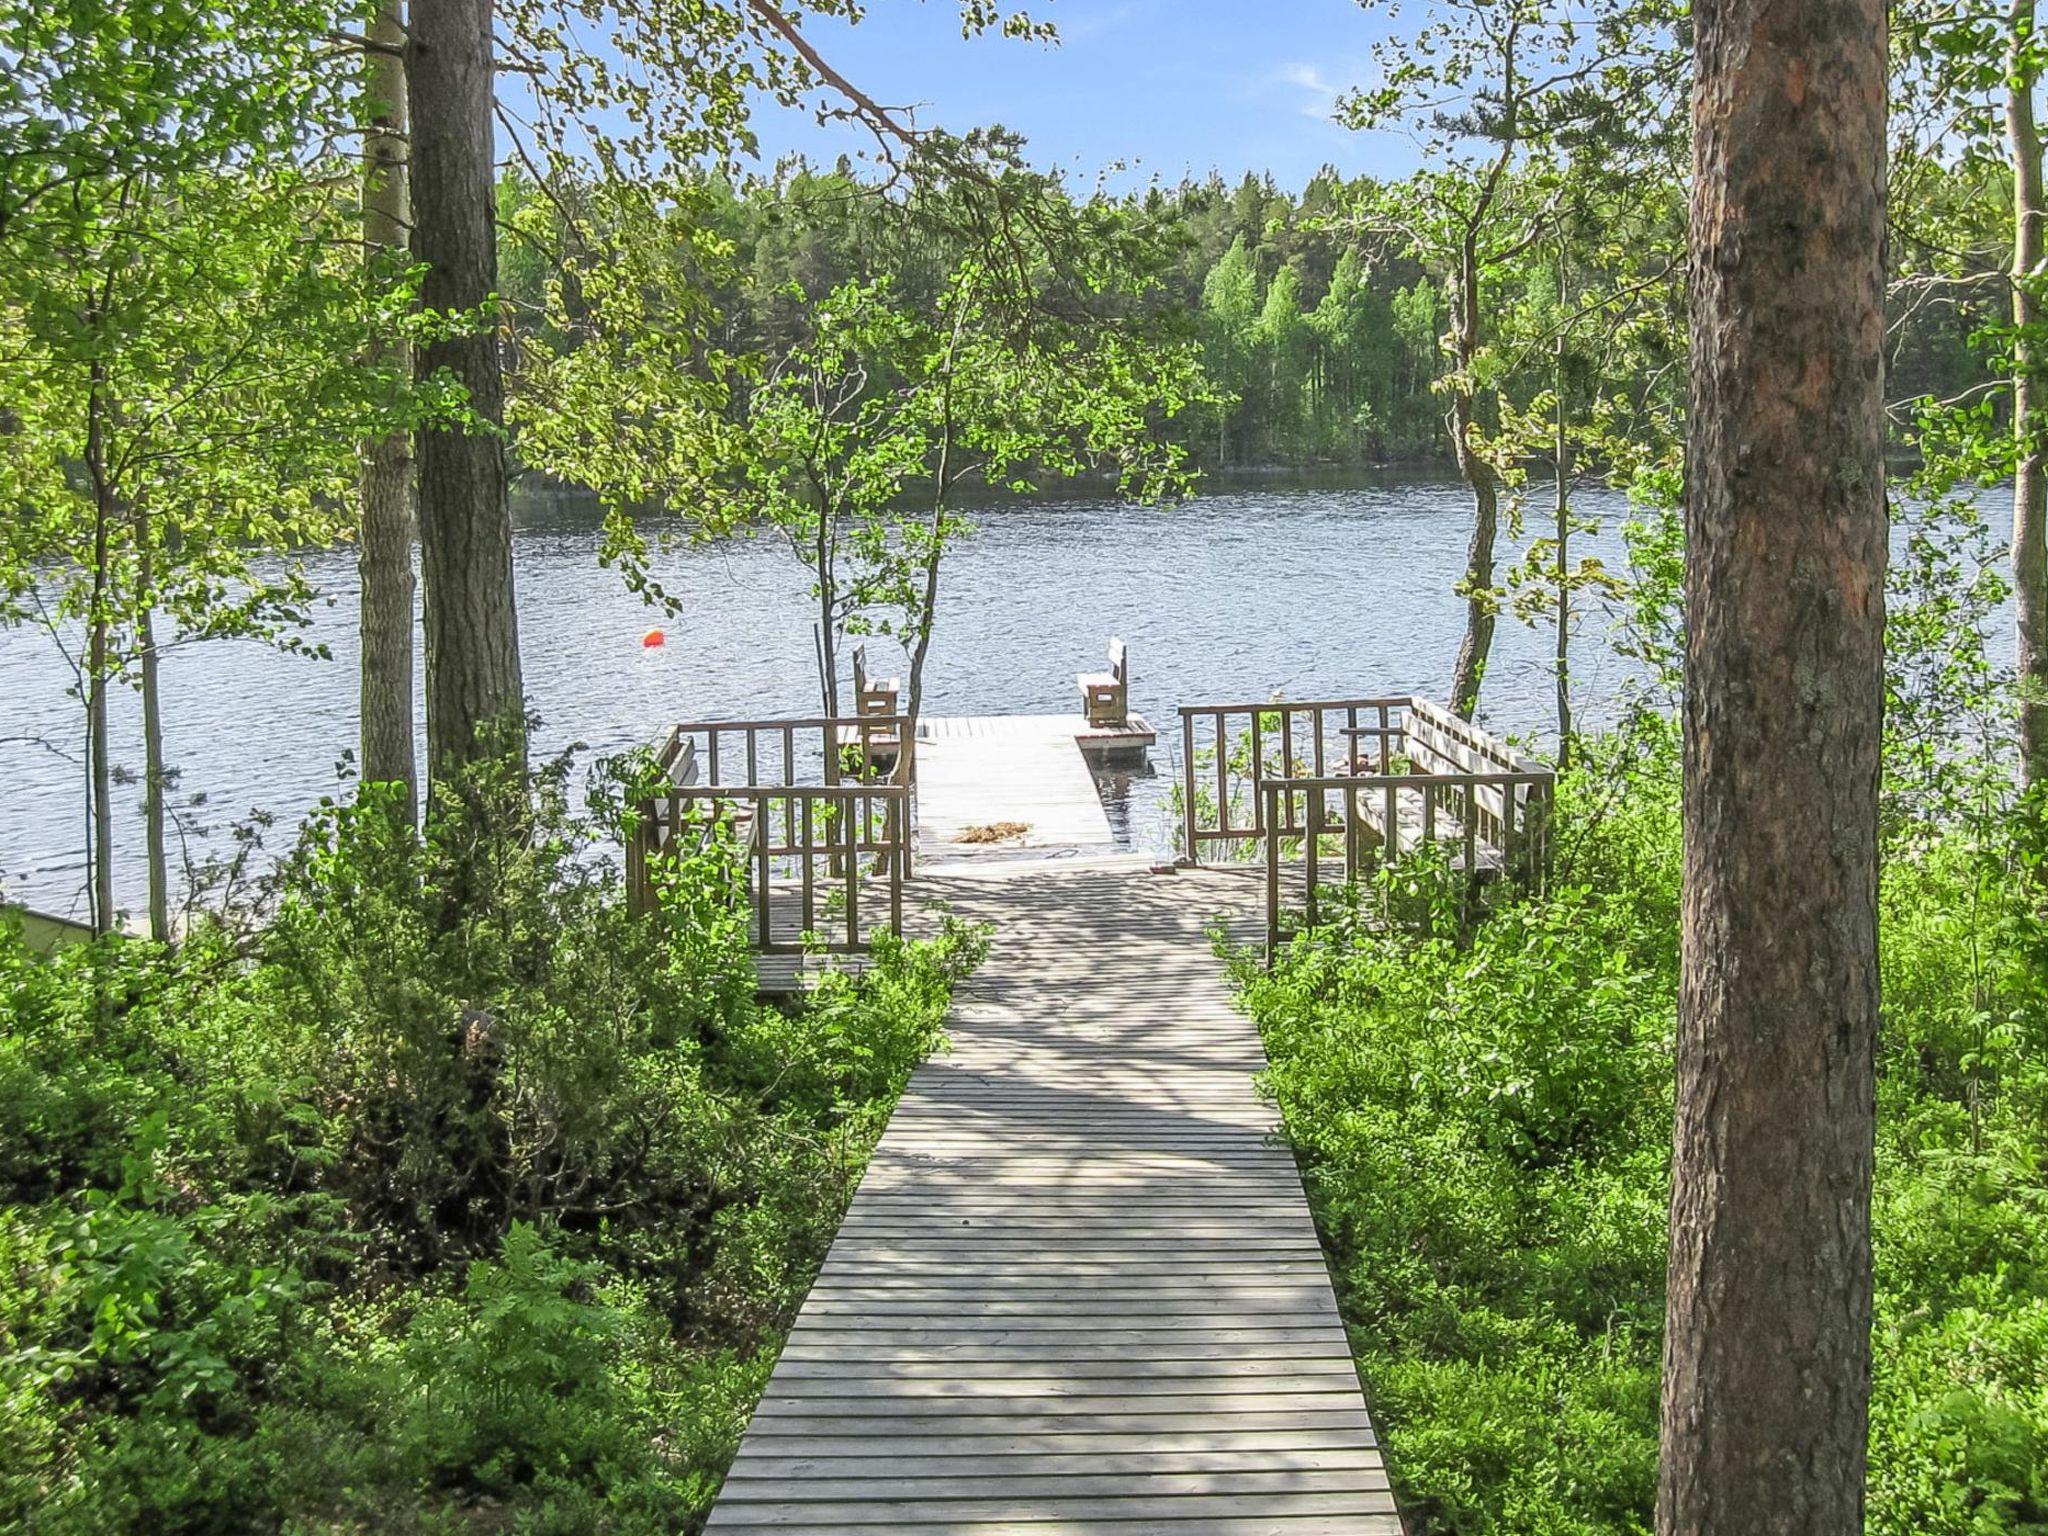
(1312, 590)
(1129, 791)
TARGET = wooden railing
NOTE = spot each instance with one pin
(828, 882)
(820, 750)
(823, 862)
(1488, 824)
(1354, 783)
(1226, 749)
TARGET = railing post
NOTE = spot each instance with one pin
(757, 831)
(636, 861)
(852, 857)
(1258, 771)
(1510, 853)
(1265, 792)
(899, 854)
(1354, 838)
(1311, 845)
(808, 852)
(1223, 777)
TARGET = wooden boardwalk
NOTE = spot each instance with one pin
(1079, 1291)
(976, 770)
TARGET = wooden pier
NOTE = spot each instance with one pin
(1079, 1291)
(1029, 771)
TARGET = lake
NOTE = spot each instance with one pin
(1316, 588)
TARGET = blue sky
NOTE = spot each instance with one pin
(1170, 86)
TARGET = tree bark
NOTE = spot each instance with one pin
(154, 774)
(928, 604)
(1564, 576)
(1481, 609)
(935, 549)
(384, 490)
(97, 663)
(921, 634)
(1767, 1347)
(98, 656)
(475, 699)
(2030, 469)
(828, 611)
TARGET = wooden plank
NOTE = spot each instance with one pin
(1165, 1339)
(1079, 1288)
(1179, 1525)
(898, 1485)
(1166, 1418)
(1170, 1447)
(1073, 1350)
(904, 1513)
(1062, 1377)
(1336, 1397)
(1055, 1457)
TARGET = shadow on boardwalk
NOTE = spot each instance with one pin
(1079, 1290)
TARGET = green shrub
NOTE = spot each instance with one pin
(1484, 1118)
(391, 1216)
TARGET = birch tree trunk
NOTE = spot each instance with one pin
(475, 699)
(1480, 606)
(935, 549)
(384, 490)
(1563, 468)
(99, 658)
(2030, 470)
(154, 774)
(1767, 1347)
(828, 613)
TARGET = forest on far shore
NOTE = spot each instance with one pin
(1321, 328)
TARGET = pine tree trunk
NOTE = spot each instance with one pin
(2030, 382)
(384, 491)
(1480, 606)
(474, 693)
(1767, 1348)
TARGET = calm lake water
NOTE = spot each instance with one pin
(1325, 590)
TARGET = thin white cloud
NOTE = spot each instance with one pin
(1318, 92)
(1087, 28)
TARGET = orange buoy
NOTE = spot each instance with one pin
(652, 638)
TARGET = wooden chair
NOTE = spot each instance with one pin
(872, 695)
(685, 771)
(681, 767)
(1106, 696)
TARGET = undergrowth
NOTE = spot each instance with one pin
(1483, 1114)
(378, 1217)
